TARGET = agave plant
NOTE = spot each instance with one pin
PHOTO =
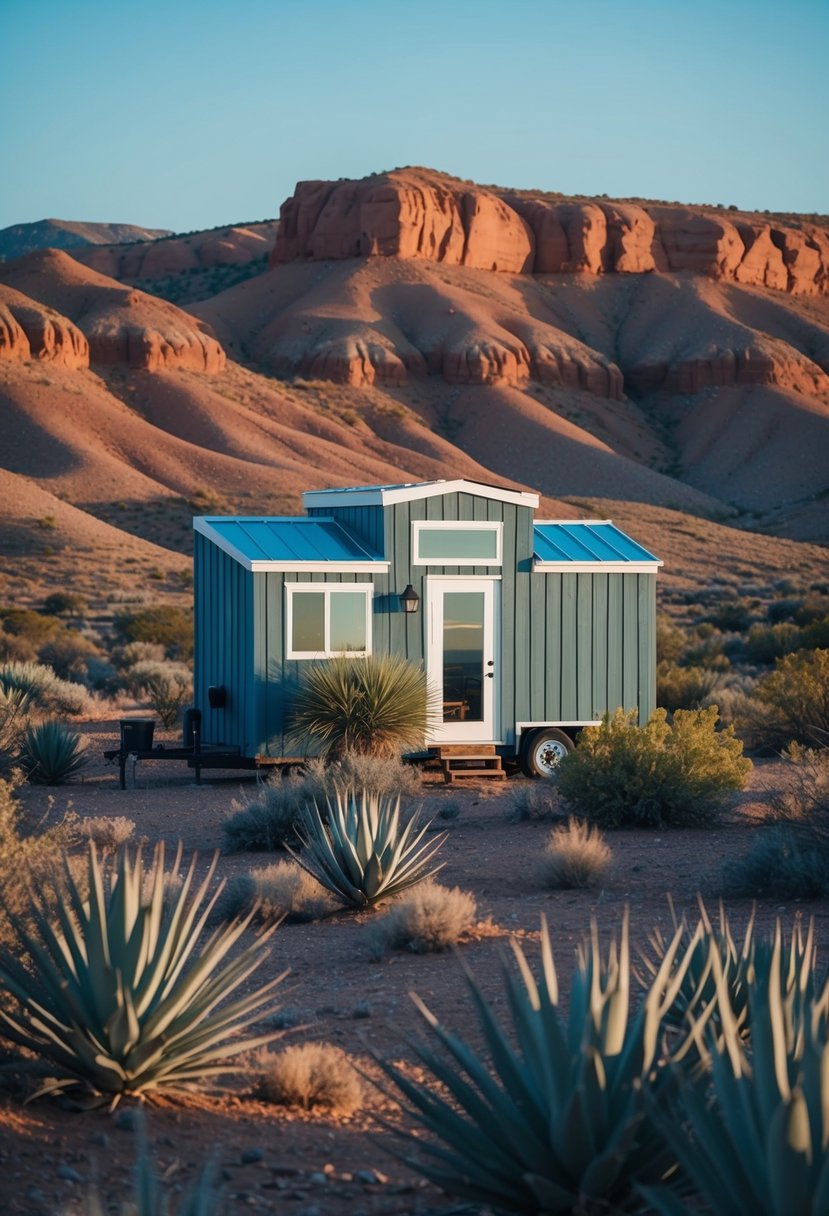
(700, 993)
(554, 1118)
(120, 997)
(379, 704)
(357, 848)
(51, 752)
(762, 1144)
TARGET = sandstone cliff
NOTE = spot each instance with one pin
(415, 213)
(30, 331)
(119, 324)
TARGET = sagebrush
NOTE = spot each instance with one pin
(283, 891)
(313, 1076)
(428, 919)
(576, 856)
(657, 775)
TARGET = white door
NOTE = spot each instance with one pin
(462, 656)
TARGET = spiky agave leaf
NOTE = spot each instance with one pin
(121, 996)
(51, 752)
(762, 1144)
(357, 849)
(552, 1118)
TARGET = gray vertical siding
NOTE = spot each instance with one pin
(224, 652)
(573, 646)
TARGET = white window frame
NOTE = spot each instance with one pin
(457, 525)
(326, 589)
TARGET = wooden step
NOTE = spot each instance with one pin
(467, 750)
(470, 765)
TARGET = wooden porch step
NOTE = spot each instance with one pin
(472, 764)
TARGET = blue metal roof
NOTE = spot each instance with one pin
(289, 539)
(592, 541)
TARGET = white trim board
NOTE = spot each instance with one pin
(579, 567)
(522, 726)
(383, 496)
(201, 524)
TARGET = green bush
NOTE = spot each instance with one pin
(379, 704)
(684, 687)
(23, 631)
(767, 643)
(166, 625)
(730, 615)
(51, 752)
(69, 653)
(797, 692)
(64, 603)
(657, 775)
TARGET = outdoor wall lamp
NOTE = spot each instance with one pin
(410, 600)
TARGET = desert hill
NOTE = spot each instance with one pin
(688, 405)
(189, 266)
(20, 239)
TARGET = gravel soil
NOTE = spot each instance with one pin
(275, 1160)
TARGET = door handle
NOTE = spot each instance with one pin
(490, 675)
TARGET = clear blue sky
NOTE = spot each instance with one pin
(185, 115)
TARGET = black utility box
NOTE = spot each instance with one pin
(136, 734)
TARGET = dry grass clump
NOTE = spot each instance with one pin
(268, 820)
(313, 1076)
(536, 800)
(283, 891)
(108, 832)
(576, 857)
(386, 776)
(428, 919)
(26, 856)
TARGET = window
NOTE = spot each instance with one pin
(327, 619)
(448, 543)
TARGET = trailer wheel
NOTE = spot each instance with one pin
(544, 751)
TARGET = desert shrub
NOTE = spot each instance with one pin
(426, 920)
(51, 752)
(64, 603)
(657, 775)
(358, 848)
(22, 633)
(670, 639)
(782, 610)
(14, 706)
(797, 692)
(803, 799)
(167, 686)
(124, 657)
(313, 1076)
(536, 800)
(767, 643)
(684, 687)
(270, 818)
(815, 607)
(68, 653)
(45, 691)
(379, 704)
(283, 891)
(730, 615)
(815, 635)
(576, 856)
(777, 865)
(386, 776)
(122, 996)
(27, 856)
(164, 624)
(108, 832)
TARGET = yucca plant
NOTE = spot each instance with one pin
(379, 704)
(711, 950)
(51, 752)
(553, 1118)
(358, 849)
(120, 997)
(762, 1144)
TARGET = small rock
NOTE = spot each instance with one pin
(368, 1177)
(317, 1178)
(126, 1121)
(34, 1195)
(99, 1139)
(67, 1174)
(251, 1155)
(312, 1210)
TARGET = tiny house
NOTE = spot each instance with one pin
(528, 629)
